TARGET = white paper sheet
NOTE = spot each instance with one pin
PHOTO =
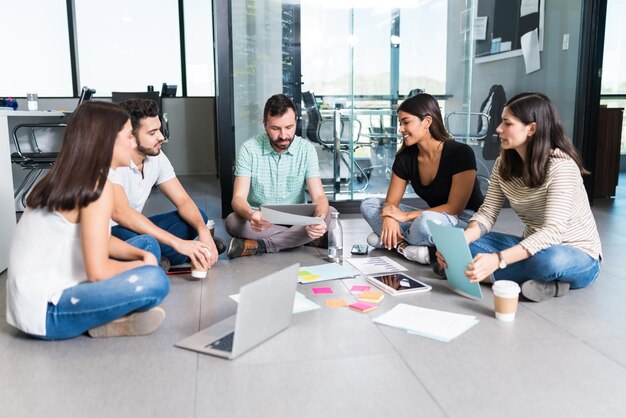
(300, 303)
(480, 28)
(373, 265)
(530, 48)
(284, 218)
(430, 323)
(529, 6)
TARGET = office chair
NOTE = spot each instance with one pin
(485, 137)
(118, 97)
(29, 154)
(313, 133)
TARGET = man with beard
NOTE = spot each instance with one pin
(175, 231)
(275, 167)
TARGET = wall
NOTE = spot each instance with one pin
(559, 69)
(192, 147)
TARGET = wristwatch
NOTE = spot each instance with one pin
(502, 264)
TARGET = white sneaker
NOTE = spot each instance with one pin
(417, 253)
(373, 240)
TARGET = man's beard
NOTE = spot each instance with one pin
(281, 147)
(147, 151)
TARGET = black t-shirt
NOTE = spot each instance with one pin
(456, 157)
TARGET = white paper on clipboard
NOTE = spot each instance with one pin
(290, 215)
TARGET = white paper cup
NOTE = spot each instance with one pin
(197, 271)
(505, 298)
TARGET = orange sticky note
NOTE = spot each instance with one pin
(371, 296)
(336, 303)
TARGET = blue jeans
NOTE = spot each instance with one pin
(171, 222)
(416, 232)
(91, 304)
(558, 262)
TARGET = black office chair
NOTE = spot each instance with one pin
(118, 97)
(313, 132)
(30, 155)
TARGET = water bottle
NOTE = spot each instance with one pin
(335, 238)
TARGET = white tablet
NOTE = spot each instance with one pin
(398, 283)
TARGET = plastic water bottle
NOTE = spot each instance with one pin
(335, 238)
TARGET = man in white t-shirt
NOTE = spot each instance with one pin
(175, 231)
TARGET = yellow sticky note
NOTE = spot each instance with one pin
(309, 277)
(336, 303)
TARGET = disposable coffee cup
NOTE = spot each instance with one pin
(197, 271)
(505, 298)
(211, 225)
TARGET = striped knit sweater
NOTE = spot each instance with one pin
(557, 212)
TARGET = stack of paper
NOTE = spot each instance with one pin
(372, 265)
(430, 323)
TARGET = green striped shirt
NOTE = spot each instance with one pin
(276, 178)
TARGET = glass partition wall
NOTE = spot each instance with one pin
(358, 63)
(348, 64)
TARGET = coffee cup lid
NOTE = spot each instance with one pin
(506, 287)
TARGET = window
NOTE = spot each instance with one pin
(126, 46)
(199, 48)
(35, 49)
(614, 61)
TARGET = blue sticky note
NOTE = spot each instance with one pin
(450, 242)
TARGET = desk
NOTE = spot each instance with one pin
(8, 119)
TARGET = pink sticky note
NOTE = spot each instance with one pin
(320, 290)
(360, 288)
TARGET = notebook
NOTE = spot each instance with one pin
(265, 309)
(450, 242)
(296, 214)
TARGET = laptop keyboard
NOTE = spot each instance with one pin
(223, 344)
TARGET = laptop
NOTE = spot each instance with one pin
(265, 309)
(450, 242)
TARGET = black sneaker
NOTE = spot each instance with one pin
(539, 291)
(321, 242)
(439, 271)
(164, 263)
(242, 247)
(219, 244)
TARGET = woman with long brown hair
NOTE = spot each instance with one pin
(539, 172)
(441, 171)
(67, 275)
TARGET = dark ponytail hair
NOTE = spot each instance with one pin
(422, 105)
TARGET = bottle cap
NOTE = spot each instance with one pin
(334, 215)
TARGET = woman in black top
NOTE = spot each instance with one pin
(441, 171)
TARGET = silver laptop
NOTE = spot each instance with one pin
(265, 308)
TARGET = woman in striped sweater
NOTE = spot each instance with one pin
(539, 172)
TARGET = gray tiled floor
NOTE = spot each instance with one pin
(565, 357)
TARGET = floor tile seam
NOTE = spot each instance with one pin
(410, 369)
(588, 344)
(309, 360)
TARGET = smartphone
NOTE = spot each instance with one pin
(359, 249)
(179, 270)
